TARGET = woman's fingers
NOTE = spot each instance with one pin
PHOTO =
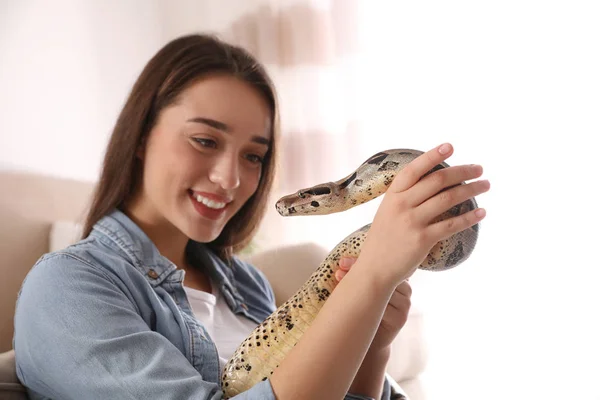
(396, 312)
(401, 294)
(413, 172)
(344, 266)
(442, 179)
(340, 274)
(447, 199)
(448, 227)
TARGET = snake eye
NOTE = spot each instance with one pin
(300, 194)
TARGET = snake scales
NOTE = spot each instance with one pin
(261, 352)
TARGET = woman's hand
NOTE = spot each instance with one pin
(403, 230)
(396, 312)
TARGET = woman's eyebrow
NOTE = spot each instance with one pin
(261, 140)
(211, 122)
(221, 126)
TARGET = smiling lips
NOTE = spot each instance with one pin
(209, 205)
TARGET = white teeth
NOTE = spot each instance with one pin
(210, 203)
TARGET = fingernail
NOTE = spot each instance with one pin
(445, 148)
(480, 213)
(345, 262)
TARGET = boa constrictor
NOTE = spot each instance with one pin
(260, 354)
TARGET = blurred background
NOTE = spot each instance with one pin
(513, 85)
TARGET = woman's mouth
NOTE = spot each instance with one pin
(216, 205)
(208, 207)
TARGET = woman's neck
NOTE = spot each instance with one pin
(169, 241)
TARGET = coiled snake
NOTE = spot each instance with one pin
(260, 354)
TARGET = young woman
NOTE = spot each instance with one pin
(152, 301)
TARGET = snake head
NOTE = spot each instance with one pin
(318, 200)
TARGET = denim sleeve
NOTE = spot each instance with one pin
(386, 393)
(79, 336)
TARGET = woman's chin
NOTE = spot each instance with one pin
(203, 235)
(200, 229)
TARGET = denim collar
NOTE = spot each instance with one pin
(118, 229)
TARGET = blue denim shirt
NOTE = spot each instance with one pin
(108, 318)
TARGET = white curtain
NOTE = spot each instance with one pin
(310, 49)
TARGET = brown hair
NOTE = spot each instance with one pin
(173, 69)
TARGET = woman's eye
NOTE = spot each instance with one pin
(205, 142)
(254, 158)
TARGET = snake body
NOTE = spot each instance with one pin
(261, 352)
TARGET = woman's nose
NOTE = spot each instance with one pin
(225, 172)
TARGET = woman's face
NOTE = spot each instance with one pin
(203, 159)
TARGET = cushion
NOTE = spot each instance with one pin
(10, 388)
(287, 267)
(63, 234)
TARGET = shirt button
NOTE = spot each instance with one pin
(152, 274)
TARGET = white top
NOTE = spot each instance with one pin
(227, 329)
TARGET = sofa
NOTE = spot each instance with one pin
(40, 213)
